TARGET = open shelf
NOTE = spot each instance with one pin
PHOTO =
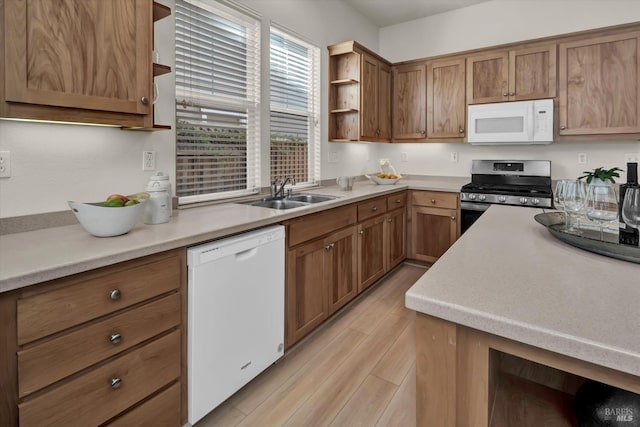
(345, 110)
(344, 82)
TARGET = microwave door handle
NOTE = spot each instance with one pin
(531, 128)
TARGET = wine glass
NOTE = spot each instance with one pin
(574, 198)
(631, 207)
(558, 198)
(602, 205)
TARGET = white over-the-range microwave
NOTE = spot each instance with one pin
(503, 123)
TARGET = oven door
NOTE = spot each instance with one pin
(469, 213)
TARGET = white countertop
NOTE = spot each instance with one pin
(37, 256)
(507, 275)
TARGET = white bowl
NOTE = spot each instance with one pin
(103, 221)
(384, 181)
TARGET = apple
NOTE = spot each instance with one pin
(118, 196)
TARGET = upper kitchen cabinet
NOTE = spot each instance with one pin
(515, 75)
(359, 94)
(446, 102)
(599, 85)
(409, 120)
(83, 61)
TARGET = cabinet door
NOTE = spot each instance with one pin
(88, 54)
(369, 98)
(446, 103)
(599, 85)
(532, 73)
(487, 78)
(384, 102)
(371, 251)
(409, 102)
(341, 268)
(433, 232)
(305, 290)
(396, 233)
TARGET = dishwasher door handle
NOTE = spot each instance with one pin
(246, 254)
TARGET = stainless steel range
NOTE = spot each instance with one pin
(505, 182)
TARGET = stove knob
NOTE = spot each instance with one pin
(535, 201)
(523, 200)
(472, 196)
(502, 199)
(482, 197)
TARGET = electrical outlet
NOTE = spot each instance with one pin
(631, 157)
(582, 158)
(5, 164)
(148, 160)
(404, 157)
(334, 157)
(454, 157)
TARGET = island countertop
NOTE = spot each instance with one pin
(37, 256)
(508, 276)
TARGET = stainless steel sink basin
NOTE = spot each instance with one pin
(294, 201)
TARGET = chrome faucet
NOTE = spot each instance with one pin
(279, 192)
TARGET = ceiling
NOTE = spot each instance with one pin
(390, 12)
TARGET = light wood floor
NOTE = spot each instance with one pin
(358, 369)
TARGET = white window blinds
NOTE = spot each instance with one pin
(295, 105)
(217, 101)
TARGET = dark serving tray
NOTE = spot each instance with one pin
(589, 240)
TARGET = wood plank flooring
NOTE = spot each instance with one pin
(358, 369)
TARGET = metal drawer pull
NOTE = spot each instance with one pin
(115, 338)
(375, 208)
(361, 232)
(563, 127)
(116, 383)
(389, 220)
(433, 201)
(399, 201)
(329, 246)
(504, 93)
(453, 218)
(114, 294)
(144, 100)
(512, 93)
(461, 130)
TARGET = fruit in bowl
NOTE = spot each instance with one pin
(112, 217)
(386, 179)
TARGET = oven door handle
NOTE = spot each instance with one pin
(471, 206)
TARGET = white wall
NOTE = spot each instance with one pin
(489, 24)
(53, 163)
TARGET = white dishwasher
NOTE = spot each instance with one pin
(235, 314)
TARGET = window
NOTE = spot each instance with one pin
(217, 101)
(294, 111)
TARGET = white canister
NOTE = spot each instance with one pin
(165, 184)
(158, 206)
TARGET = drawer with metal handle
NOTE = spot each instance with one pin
(81, 348)
(78, 299)
(372, 208)
(95, 397)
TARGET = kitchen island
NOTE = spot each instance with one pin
(511, 321)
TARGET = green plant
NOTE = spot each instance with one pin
(601, 173)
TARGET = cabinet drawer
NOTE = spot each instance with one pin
(372, 208)
(162, 410)
(90, 399)
(436, 199)
(309, 227)
(92, 295)
(396, 201)
(82, 348)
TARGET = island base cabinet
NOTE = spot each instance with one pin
(465, 378)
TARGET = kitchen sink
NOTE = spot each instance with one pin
(294, 201)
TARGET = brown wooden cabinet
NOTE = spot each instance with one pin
(600, 85)
(515, 75)
(79, 61)
(372, 251)
(359, 94)
(396, 230)
(87, 348)
(409, 118)
(446, 102)
(434, 224)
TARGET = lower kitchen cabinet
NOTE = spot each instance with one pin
(372, 251)
(396, 231)
(434, 224)
(105, 346)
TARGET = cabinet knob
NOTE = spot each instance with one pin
(114, 295)
(512, 94)
(453, 218)
(423, 132)
(329, 246)
(398, 200)
(375, 208)
(433, 201)
(505, 94)
(461, 130)
(116, 383)
(361, 232)
(563, 127)
(389, 220)
(115, 338)
(144, 100)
